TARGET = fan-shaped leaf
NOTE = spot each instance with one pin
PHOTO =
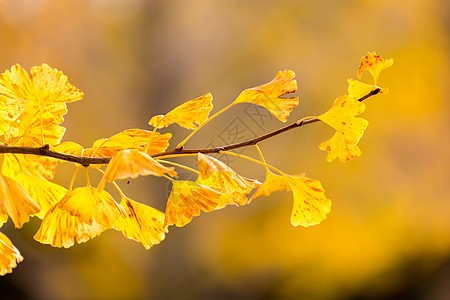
(310, 204)
(374, 64)
(9, 255)
(187, 199)
(269, 95)
(188, 115)
(142, 223)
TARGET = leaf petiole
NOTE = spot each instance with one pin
(179, 165)
(253, 160)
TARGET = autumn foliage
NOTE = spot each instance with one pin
(32, 110)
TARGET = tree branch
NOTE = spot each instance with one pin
(86, 161)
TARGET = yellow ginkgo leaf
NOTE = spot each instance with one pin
(188, 115)
(59, 229)
(40, 166)
(129, 139)
(89, 205)
(33, 108)
(16, 84)
(15, 202)
(132, 163)
(337, 147)
(143, 223)
(10, 110)
(187, 199)
(51, 85)
(358, 89)
(236, 197)
(82, 214)
(38, 129)
(43, 192)
(374, 64)
(310, 204)
(158, 143)
(269, 95)
(57, 110)
(233, 186)
(341, 116)
(68, 148)
(273, 183)
(3, 218)
(9, 255)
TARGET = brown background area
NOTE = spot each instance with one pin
(387, 236)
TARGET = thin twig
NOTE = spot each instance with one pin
(86, 161)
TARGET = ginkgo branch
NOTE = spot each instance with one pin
(33, 106)
(86, 161)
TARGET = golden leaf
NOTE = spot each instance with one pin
(186, 200)
(82, 214)
(341, 116)
(227, 197)
(143, 223)
(310, 204)
(89, 205)
(188, 115)
(43, 192)
(159, 143)
(51, 85)
(9, 255)
(16, 84)
(38, 129)
(3, 218)
(358, 89)
(234, 187)
(35, 165)
(10, 110)
(374, 64)
(34, 104)
(337, 147)
(129, 139)
(15, 202)
(273, 183)
(132, 163)
(59, 229)
(15, 92)
(269, 95)
(69, 148)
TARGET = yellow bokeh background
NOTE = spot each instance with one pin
(388, 234)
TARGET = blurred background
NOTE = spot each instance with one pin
(388, 234)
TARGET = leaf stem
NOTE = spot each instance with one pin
(151, 135)
(179, 165)
(167, 177)
(122, 195)
(88, 183)
(73, 177)
(253, 160)
(261, 155)
(177, 152)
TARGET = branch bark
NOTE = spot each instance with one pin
(86, 161)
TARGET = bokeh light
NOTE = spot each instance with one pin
(388, 234)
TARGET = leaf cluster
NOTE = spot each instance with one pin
(32, 110)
